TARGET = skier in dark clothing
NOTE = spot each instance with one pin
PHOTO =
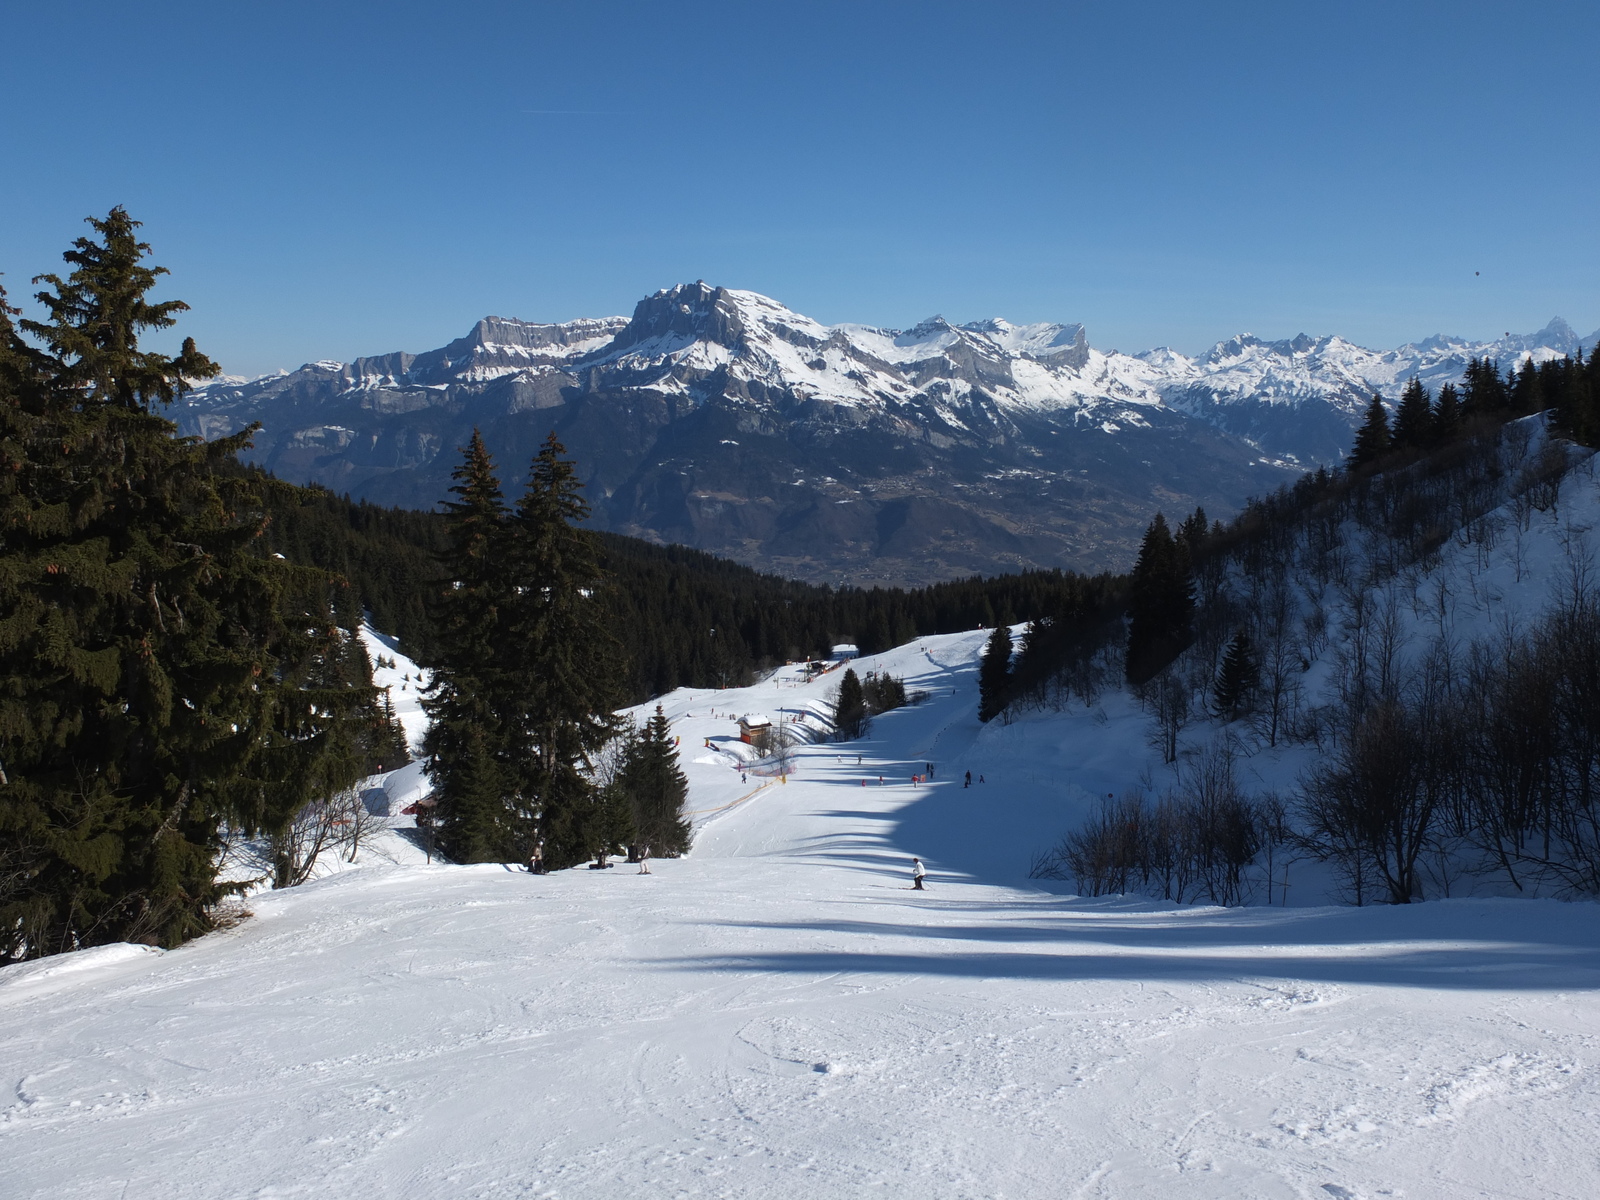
(968, 783)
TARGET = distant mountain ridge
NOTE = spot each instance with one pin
(723, 420)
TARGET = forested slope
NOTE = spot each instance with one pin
(684, 617)
(1389, 670)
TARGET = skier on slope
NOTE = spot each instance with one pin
(917, 873)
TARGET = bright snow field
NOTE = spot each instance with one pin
(778, 1014)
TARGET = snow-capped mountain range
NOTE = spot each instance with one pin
(722, 419)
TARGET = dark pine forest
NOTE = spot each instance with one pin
(685, 618)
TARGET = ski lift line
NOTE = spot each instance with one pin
(700, 812)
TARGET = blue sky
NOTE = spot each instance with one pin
(327, 180)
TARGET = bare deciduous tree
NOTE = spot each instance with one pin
(1169, 699)
(1197, 842)
(341, 824)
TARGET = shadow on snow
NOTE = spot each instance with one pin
(1510, 945)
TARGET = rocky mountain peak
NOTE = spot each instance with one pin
(1234, 347)
(677, 316)
(1557, 335)
(932, 327)
(1049, 342)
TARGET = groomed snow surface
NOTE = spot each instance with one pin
(779, 1014)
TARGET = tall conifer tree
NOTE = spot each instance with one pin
(994, 674)
(850, 714)
(1483, 390)
(1447, 415)
(657, 790)
(1527, 390)
(1413, 420)
(564, 656)
(1582, 402)
(1160, 603)
(471, 735)
(146, 669)
(1237, 678)
(1372, 439)
(1572, 397)
(1192, 534)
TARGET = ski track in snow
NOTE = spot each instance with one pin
(778, 1014)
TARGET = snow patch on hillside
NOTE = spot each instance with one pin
(401, 680)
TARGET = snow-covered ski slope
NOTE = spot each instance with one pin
(778, 1014)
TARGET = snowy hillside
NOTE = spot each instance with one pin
(402, 682)
(779, 1014)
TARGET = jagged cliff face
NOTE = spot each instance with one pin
(722, 420)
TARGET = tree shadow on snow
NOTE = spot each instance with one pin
(1510, 945)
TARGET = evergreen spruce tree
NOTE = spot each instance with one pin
(391, 750)
(473, 825)
(29, 836)
(1571, 396)
(1413, 420)
(1447, 415)
(994, 674)
(146, 666)
(1372, 439)
(1238, 677)
(1483, 390)
(1160, 603)
(1527, 391)
(1581, 404)
(108, 620)
(884, 692)
(470, 734)
(850, 713)
(563, 656)
(1192, 534)
(381, 739)
(657, 790)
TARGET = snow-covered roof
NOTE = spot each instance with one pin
(755, 720)
(845, 650)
